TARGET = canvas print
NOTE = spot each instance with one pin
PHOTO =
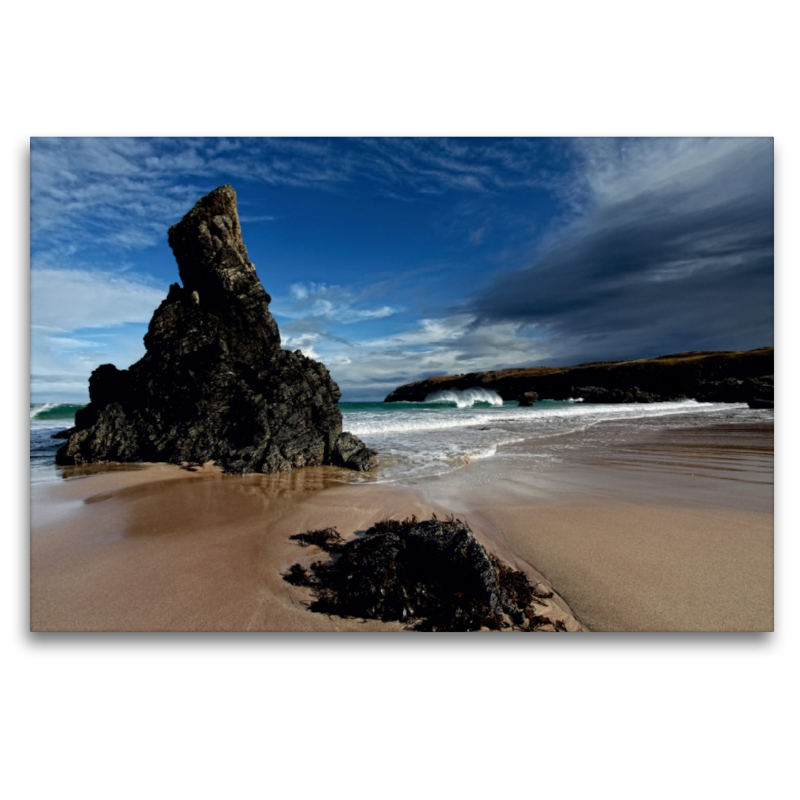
(515, 385)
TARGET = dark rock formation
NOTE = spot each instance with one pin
(761, 402)
(434, 575)
(595, 394)
(350, 452)
(214, 383)
(732, 390)
(528, 398)
(673, 377)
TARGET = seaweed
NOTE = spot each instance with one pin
(296, 575)
(433, 575)
(327, 539)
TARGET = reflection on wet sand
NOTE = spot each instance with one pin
(305, 479)
(85, 470)
(168, 549)
(726, 452)
(211, 499)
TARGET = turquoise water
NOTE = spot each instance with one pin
(451, 429)
(54, 413)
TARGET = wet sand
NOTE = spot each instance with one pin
(672, 532)
(668, 533)
(163, 549)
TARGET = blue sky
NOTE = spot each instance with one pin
(394, 259)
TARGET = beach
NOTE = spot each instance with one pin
(668, 531)
(637, 529)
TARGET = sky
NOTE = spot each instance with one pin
(392, 260)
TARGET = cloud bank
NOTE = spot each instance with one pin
(674, 251)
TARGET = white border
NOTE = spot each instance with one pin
(184, 716)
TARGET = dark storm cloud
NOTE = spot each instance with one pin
(675, 253)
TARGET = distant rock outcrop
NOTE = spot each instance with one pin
(214, 383)
(716, 376)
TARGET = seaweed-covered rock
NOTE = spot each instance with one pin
(434, 575)
(214, 384)
(349, 451)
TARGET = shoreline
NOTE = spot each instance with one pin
(628, 538)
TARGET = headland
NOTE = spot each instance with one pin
(709, 376)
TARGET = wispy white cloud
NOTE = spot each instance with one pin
(303, 341)
(371, 368)
(71, 299)
(477, 235)
(100, 307)
(61, 364)
(428, 332)
(249, 219)
(336, 304)
(123, 192)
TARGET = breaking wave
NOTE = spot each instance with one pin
(466, 398)
(55, 412)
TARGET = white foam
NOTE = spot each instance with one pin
(422, 440)
(542, 416)
(412, 423)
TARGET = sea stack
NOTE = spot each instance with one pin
(214, 384)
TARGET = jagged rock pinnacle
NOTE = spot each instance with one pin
(211, 254)
(214, 383)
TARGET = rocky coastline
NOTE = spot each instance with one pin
(712, 376)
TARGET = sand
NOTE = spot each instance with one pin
(671, 532)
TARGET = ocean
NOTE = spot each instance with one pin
(419, 440)
(46, 420)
